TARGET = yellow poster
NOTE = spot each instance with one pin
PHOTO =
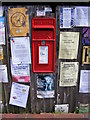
(1, 53)
(18, 21)
(68, 45)
(68, 73)
(86, 55)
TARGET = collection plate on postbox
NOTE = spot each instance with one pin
(43, 44)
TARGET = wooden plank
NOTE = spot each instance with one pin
(46, 116)
(7, 87)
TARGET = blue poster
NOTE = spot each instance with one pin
(66, 17)
(2, 30)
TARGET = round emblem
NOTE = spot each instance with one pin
(18, 19)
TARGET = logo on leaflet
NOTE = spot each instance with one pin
(18, 19)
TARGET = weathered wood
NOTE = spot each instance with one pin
(63, 95)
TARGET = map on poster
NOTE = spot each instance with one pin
(19, 95)
(45, 86)
(20, 72)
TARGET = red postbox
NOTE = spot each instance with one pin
(43, 44)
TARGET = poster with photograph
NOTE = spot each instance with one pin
(19, 95)
(45, 86)
(66, 17)
(18, 21)
(86, 36)
(68, 74)
(3, 74)
(20, 72)
(20, 50)
(2, 30)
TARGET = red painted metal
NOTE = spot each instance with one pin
(43, 29)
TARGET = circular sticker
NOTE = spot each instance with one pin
(18, 19)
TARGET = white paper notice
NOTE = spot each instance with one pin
(68, 45)
(40, 12)
(48, 9)
(43, 54)
(66, 17)
(2, 30)
(68, 73)
(63, 108)
(20, 49)
(85, 81)
(3, 74)
(20, 72)
(81, 16)
(19, 95)
(1, 11)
